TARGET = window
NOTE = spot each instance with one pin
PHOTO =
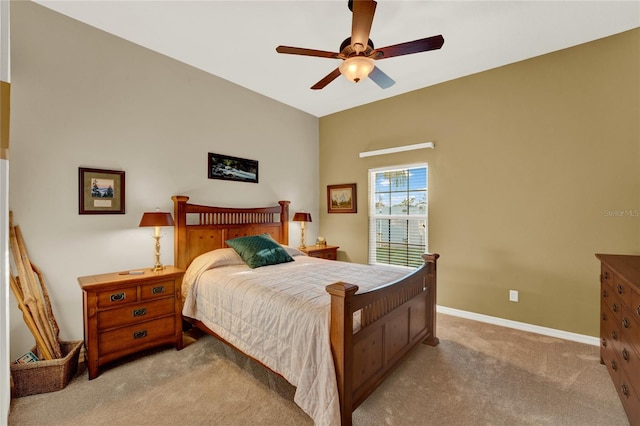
(398, 215)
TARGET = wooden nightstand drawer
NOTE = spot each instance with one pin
(132, 336)
(155, 290)
(322, 252)
(121, 296)
(135, 313)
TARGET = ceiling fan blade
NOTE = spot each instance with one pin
(363, 11)
(328, 79)
(381, 79)
(422, 45)
(306, 52)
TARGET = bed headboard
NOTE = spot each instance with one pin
(199, 229)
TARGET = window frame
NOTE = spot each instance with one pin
(373, 217)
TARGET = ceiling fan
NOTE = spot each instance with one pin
(358, 53)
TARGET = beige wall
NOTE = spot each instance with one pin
(83, 98)
(536, 168)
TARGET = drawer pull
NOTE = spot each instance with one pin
(638, 309)
(158, 290)
(614, 335)
(625, 322)
(604, 342)
(614, 365)
(614, 307)
(604, 293)
(140, 334)
(604, 316)
(117, 297)
(606, 275)
(139, 312)
(620, 289)
(625, 354)
(625, 390)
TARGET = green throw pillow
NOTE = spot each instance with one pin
(259, 250)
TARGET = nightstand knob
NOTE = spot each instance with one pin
(158, 290)
(117, 297)
(139, 312)
(140, 334)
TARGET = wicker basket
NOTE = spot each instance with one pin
(46, 376)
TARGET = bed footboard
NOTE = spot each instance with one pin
(393, 319)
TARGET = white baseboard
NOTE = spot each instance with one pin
(552, 332)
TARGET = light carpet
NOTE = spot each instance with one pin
(480, 374)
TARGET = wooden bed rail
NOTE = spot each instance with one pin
(393, 319)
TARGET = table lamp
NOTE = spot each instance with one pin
(157, 219)
(303, 218)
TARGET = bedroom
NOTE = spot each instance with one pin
(528, 159)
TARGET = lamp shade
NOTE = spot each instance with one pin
(302, 217)
(356, 68)
(156, 219)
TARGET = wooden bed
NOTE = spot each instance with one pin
(394, 318)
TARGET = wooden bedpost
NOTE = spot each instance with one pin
(284, 222)
(180, 231)
(342, 343)
(430, 260)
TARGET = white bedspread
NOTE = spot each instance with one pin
(279, 315)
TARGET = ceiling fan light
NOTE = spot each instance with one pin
(356, 68)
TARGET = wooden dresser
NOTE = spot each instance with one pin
(126, 313)
(323, 252)
(620, 327)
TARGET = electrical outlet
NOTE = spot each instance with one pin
(513, 295)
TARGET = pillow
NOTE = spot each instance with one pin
(259, 250)
(293, 251)
(209, 260)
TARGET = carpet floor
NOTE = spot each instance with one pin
(479, 374)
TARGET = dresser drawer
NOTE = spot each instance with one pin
(629, 398)
(121, 296)
(155, 290)
(609, 358)
(606, 276)
(135, 313)
(610, 335)
(135, 335)
(623, 290)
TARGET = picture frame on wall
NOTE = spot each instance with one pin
(226, 167)
(342, 198)
(101, 191)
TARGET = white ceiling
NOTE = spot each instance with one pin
(236, 40)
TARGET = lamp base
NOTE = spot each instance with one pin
(157, 267)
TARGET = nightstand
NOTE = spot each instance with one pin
(125, 313)
(323, 252)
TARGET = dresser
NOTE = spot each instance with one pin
(620, 327)
(126, 312)
(322, 252)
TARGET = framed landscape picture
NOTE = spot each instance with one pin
(341, 198)
(100, 191)
(225, 167)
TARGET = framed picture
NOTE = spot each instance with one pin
(232, 168)
(100, 191)
(341, 198)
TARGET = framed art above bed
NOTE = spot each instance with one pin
(226, 167)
